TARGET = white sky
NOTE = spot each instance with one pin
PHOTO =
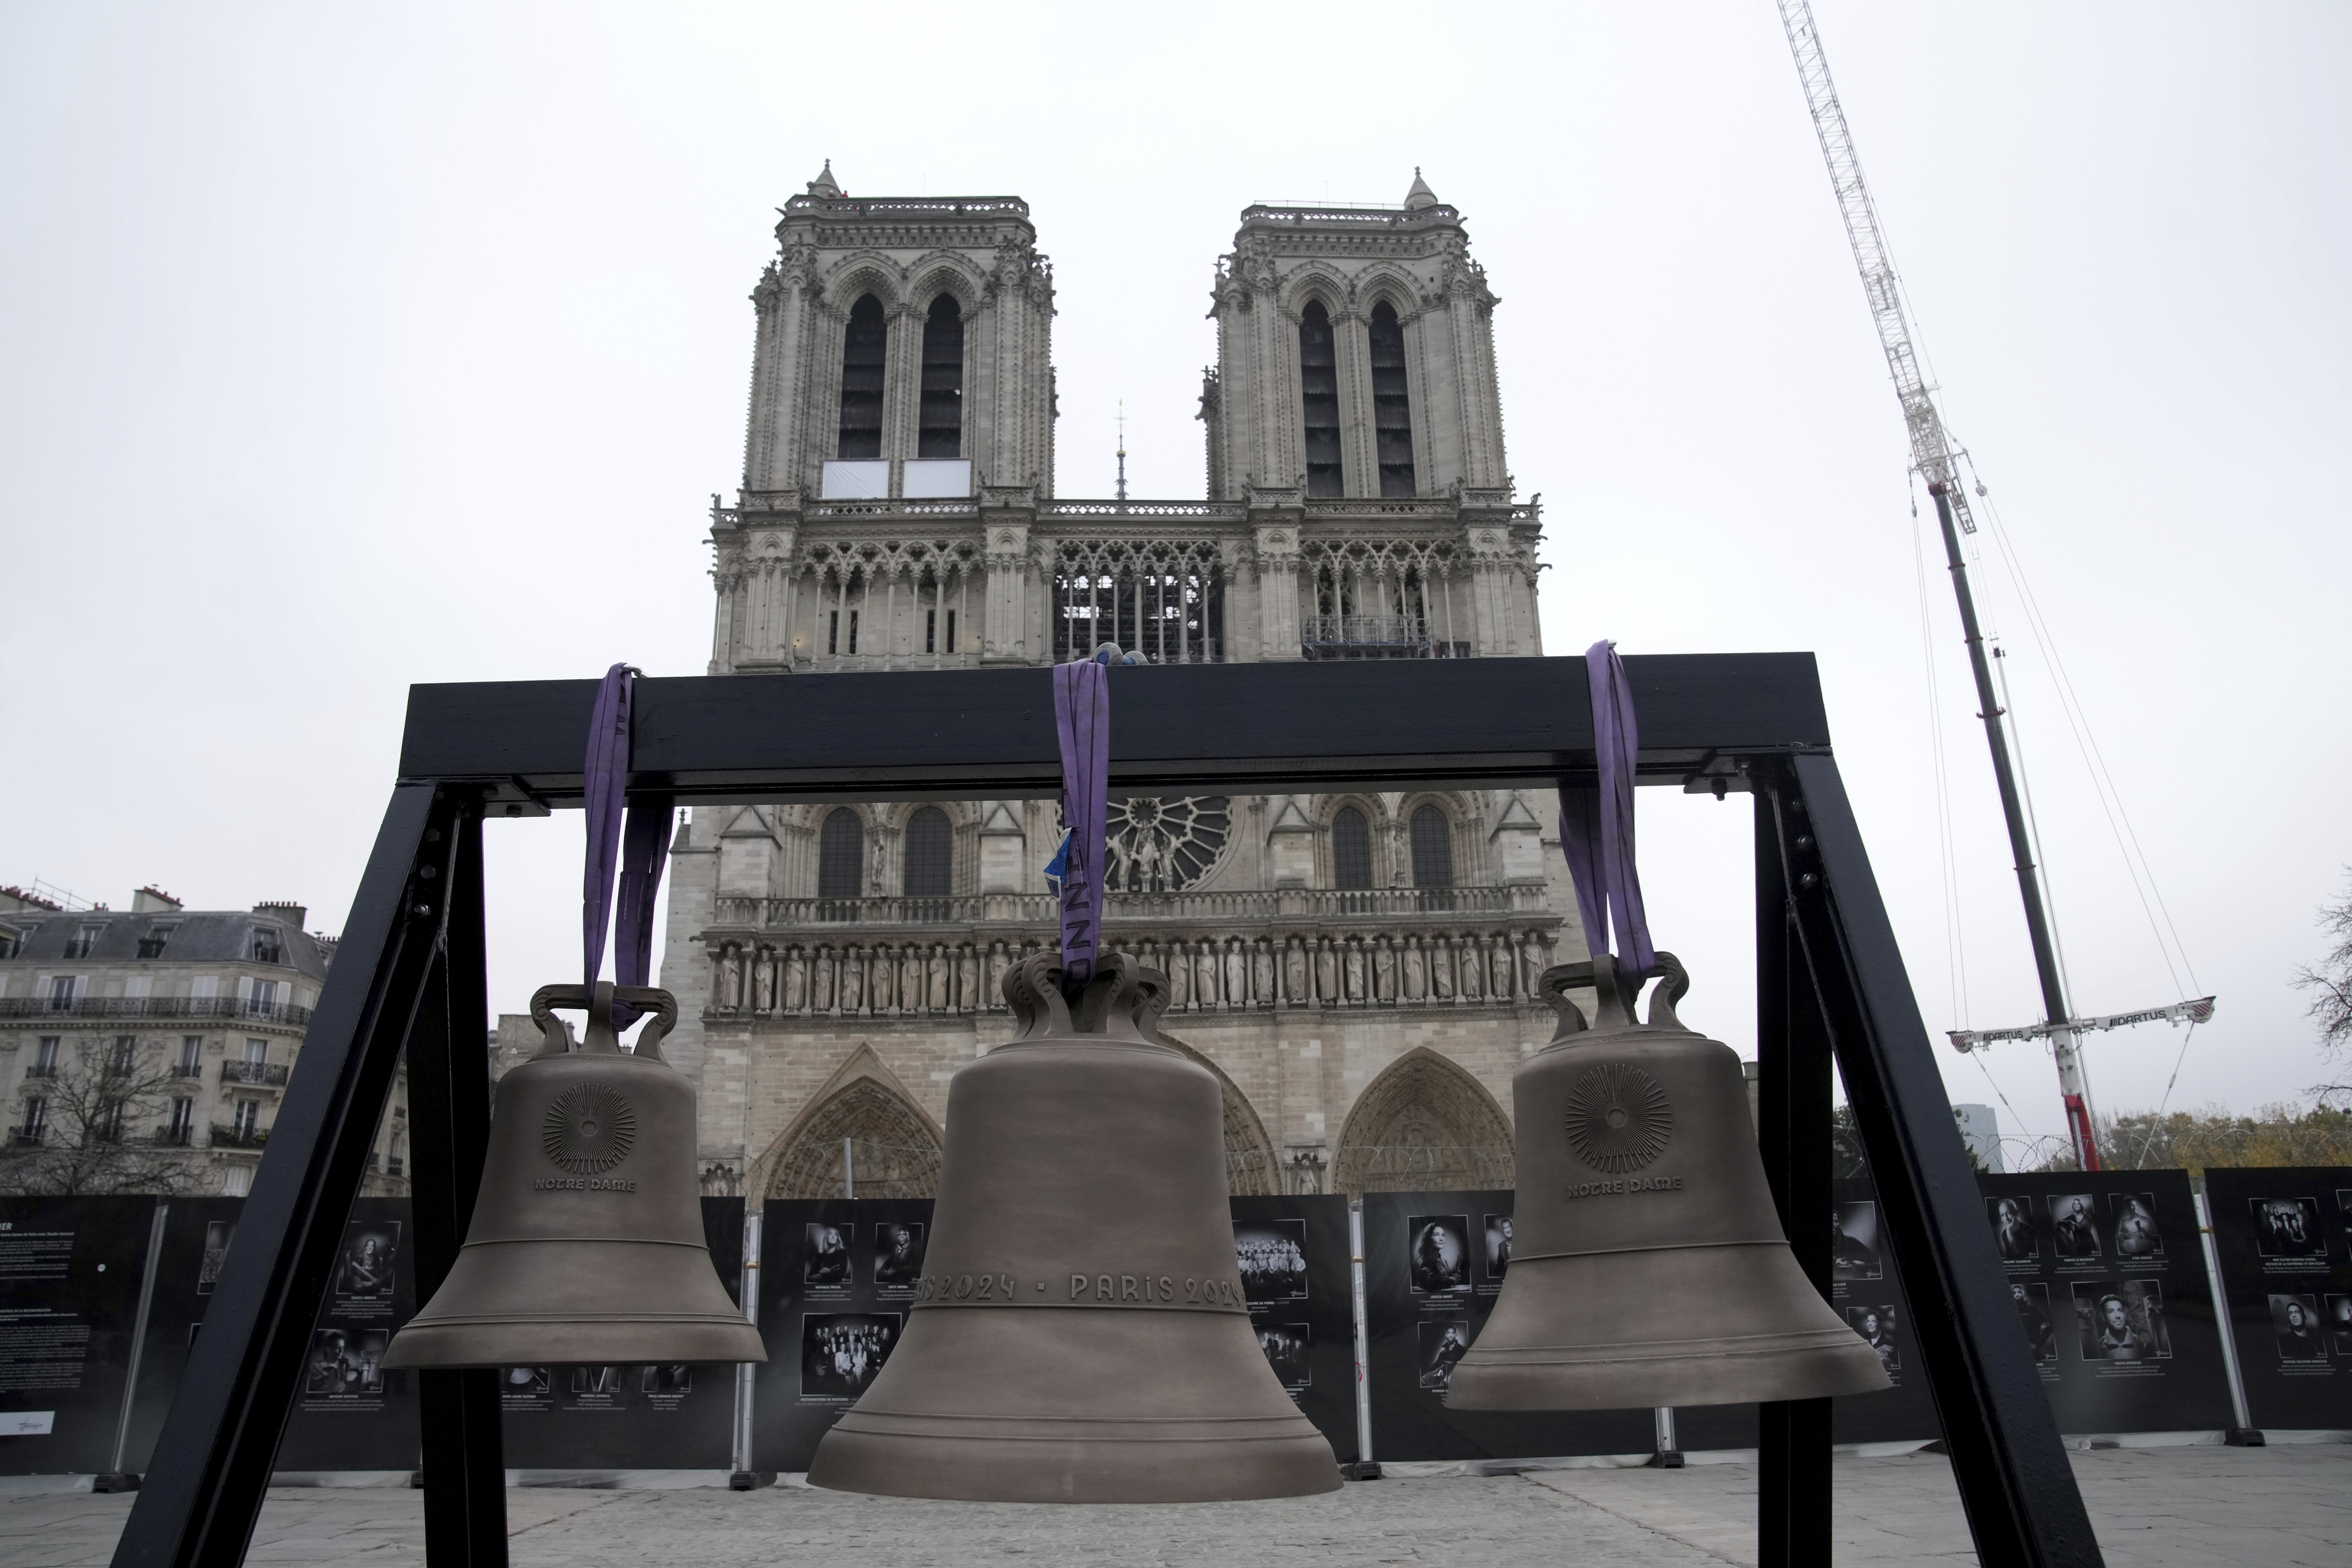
(343, 349)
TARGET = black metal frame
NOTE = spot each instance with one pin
(409, 976)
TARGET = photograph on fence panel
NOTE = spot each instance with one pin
(2286, 1259)
(1293, 1252)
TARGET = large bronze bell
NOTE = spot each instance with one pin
(1648, 1266)
(1080, 1333)
(586, 1243)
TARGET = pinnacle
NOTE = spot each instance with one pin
(825, 185)
(1421, 195)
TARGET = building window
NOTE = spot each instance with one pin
(931, 643)
(191, 1056)
(44, 1057)
(237, 1181)
(12, 942)
(939, 432)
(78, 944)
(267, 948)
(930, 854)
(36, 1121)
(862, 354)
(1433, 848)
(61, 992)
(249, 1119)
(125, 1056)
(256, 1052)
(841, 856)
(152, 945)
(183, 1123)
(263, 997)
(107, 1125)
(1391, 408)
(833, 643)
(1352, 849)
(1319, 396)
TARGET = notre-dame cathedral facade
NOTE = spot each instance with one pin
(1356, 969)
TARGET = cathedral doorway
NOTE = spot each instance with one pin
(894, 1152)
(1424, 1125)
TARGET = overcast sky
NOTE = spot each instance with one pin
(341, 349)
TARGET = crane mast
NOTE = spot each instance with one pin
(1934, 458)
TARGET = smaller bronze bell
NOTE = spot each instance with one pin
(1648, 1266)
(587, 1244)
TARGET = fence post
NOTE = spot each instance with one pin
(1365, 1469)
(2245, 1434)
(116, 1478)
(1669, 1454)
(849, 1168)
(745, 1477)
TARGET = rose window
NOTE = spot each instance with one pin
(1164, 845)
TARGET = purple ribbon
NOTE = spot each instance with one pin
(641, 851)
(1596, 823)
(1082, 718)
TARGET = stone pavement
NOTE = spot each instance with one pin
(2155, 1508)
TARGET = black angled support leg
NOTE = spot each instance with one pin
(211, 1470)
(449, 1112)
(1792, 1083)
(2015, 1481)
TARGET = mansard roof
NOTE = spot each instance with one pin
(197, 936)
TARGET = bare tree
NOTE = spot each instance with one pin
(2331, 987)
(96, 1135)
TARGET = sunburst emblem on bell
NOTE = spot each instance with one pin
(1648, 1266)
(1080, 1334)
(586, 1243)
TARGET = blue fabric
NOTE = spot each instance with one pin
(1596, 822)
(639, 853)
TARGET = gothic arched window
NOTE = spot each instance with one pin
(1392, 409)
(1433, 848)
(930, 854)
(939, 430)
(1319, 395)
(861, 353)
(1352, 849)
(841, 856)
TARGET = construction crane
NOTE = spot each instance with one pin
(1936, 458)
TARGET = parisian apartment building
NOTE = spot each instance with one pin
(149, 1048)
(1356, 969)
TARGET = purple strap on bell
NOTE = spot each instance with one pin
(1082, 719)
(1596, 822)
(640, 851)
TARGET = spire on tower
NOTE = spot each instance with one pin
(1122, 449)
(825, 185)
(1421, 195)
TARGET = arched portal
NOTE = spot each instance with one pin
(895, 1154)
(1424, 1124)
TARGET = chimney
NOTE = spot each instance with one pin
(280, 910)
(151, 900)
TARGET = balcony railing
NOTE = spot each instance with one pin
(173, 1137)
(187, 1069)
(155, 1007)
(233, 1138)
(392, 1167)
(271, 1074)
(1036, 911)
(19, 1135)
(42, 1069)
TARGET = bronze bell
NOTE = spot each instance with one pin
(1079, 1334)
(586, 1243)
(1648, 1266)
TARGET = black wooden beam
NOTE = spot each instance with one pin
(1243, 728)
(204, 1486)
(2015, 1482)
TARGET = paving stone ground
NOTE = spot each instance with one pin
(2154, 1507)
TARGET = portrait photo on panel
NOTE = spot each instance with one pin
(1854, 1242)
(525, 1382)
(1877, 1326)
(2340, 1324)
(1272, 1254)
(1444, 1341)
(2073, 1225)
(2013, 1229)
(1439, 1253)
(1498, 1247)
(2134, 1233)
(604, 1381)
(898, 1252)
(1285, 1345)
(826, 1260)
(2288, 1228)
(218, 1234)
(841, 1351)
(2033, 1300)
(672, 1377)
(345, 1361)
(2121, 1323)
(365, 1266)
(2344, 1208)
(2295, 1319)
